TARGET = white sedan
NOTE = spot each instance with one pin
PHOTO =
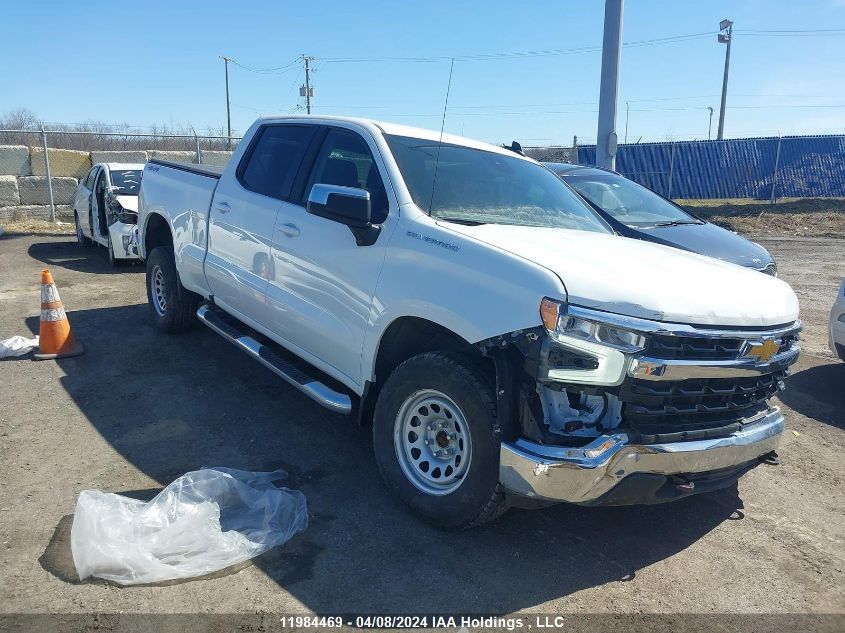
(106, 208)
(837, 324)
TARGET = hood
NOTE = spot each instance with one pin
(707, 239)
(130, 203)
(646, 280)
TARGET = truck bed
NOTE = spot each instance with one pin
(205, 170)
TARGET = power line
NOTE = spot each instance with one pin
(516, 54)
(279, 70)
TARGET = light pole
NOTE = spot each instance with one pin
(606, 138)
(725, 37)
(226, 61)
(710, 125)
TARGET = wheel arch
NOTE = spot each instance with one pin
(403, 338)
(156, 233)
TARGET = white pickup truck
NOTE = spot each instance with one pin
(506, 346)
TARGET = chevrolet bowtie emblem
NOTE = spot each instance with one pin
(764, 351)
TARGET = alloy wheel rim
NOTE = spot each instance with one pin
(432, 442)
(157, 291)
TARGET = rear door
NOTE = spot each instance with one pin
(323, 284)
(243, 215)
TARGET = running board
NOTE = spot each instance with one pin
(314, 389)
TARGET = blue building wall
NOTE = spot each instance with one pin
(809, 166)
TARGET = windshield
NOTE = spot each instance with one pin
(625, 200)
(126, 182)
(477, 186)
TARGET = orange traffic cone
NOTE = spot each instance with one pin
(55, 339)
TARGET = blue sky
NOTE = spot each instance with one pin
(158, 62)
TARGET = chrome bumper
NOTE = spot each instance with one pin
(646, 368)
(581, 475)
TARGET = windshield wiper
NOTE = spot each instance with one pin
(677, 223)
(461, 221)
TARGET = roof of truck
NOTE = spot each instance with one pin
(396, 129)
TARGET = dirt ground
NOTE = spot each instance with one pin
(140, 408)
(795, 217)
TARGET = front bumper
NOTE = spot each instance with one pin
(589, 474)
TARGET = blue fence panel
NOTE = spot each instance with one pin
(738, 168)
(811, 166)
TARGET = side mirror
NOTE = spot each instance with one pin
(346, 205)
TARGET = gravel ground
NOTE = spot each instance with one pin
(139, 409)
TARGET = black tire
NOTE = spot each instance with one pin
(81, 239)
(479, 496)
(178, 310)
(114, 262)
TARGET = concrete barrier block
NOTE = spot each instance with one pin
(26, 212)
(33, 190)
(64, 213)
(216, 157)
(14, 160)
(138, 156)
(63, 162)
(178, 156)
(9, 193)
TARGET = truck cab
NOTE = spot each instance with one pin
(506, 346)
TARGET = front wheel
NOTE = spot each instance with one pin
(172, 307)
(114, 262)
(435, 441)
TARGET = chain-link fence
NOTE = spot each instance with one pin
(40, 170)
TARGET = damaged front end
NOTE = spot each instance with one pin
(606, 409)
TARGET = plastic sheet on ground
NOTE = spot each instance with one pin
(17, 346)
(203, 522)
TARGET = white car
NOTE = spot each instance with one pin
(106, 208)
(837, 324)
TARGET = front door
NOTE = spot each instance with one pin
(82, 203)
(243, 213)
(320, 296)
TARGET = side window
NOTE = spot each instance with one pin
(345, 160)
(89, 179)
(274, 160)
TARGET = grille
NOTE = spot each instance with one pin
(696, 348)
(771, 269)
(695, 409)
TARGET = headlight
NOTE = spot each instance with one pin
(560, 324)
(592, 352)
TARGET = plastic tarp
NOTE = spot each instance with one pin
(17, 346)
(203, 522)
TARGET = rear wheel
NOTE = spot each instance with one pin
(433, 433)
(172, 307)
(80, 236)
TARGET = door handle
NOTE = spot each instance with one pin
(291, 230)
(223, 207)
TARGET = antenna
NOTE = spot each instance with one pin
(440, 142)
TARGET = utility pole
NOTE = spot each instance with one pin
(710, 125)
(307, 91)
(226, 61)
(725, 37)
(606, 138)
